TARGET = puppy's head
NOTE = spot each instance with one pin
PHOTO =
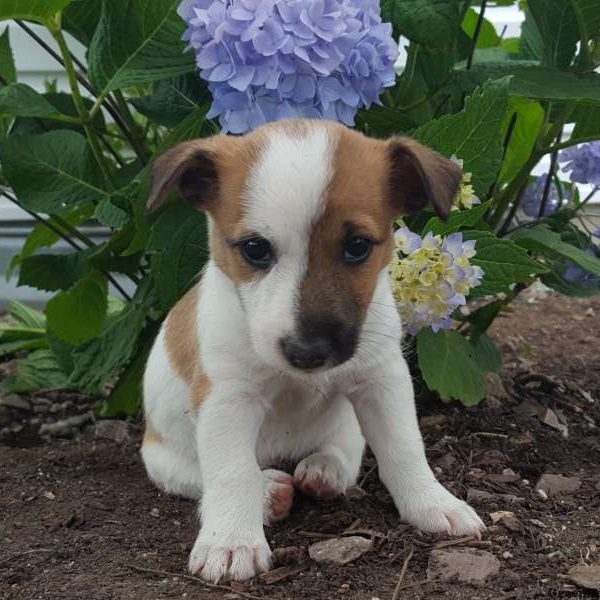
(301, 223)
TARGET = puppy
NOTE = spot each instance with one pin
(290, 346)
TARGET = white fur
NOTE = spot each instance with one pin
(258, 413)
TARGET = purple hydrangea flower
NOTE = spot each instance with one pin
(532, 198)
(578, 275)
(266, 60)
(583, 161)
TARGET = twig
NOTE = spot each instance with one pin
(490, 434)
(457, 542)
(362, 482)
(396, 594)
(548, 184)
(476, 33)
(212, 586)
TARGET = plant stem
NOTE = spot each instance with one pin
(138, 138)
(476, 33)
(513, 211)
(105, 101)
(587, 198)
(80, 105)
(41, 220)
(63, 236)
(548, 184)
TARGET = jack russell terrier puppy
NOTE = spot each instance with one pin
(289, 349)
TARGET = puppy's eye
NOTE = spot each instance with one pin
(357, 249)
(258, 252)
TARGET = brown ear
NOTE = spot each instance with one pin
(191, 166)
(419, 176)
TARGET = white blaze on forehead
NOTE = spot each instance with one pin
(284, 197)
(285, 192)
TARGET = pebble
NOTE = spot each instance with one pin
(66, 427)
(586, 576)
(288, 555)
(339, 551)
(467, 564)
(15, 401)
(554, 485)
(113, 429)
(154, 512)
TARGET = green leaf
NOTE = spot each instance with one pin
(8, 71)
(126, 396)
(588, 17)
(27, 317)
(532, 81)
(587, 122)
(529, 118)
(503, 262)
(447, 363)
(137, 42)
(473, 135)
(174, 99)
(99, 359)
(432, 23)
(78, 315)
(39, 371)
(179, 239)
(547, 242)
(487, 354)
(383, 121)
(52, 272)
(63, 104)
(557, 24)
(51, 173)
(110, 214)
(81, 18)
(21, 100)
(482, 318)
(42, 11)
(23, 345)
(488, 38)
(456, 220)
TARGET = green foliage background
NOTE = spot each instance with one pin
(498, 104)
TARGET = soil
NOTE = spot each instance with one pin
(79, 519)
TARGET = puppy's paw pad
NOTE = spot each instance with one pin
(279, 495)
(320, 476)
(216, 563)
(443, 513)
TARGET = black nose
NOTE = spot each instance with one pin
(306, 354)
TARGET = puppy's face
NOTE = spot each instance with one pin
(301, 215)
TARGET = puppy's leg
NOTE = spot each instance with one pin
(327, 473)
(170, 470)
(386, 411)
(231, 543)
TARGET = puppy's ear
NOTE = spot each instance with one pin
(419, 176)
(191, 166)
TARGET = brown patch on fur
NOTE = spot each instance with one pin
(151, 436)
(357, 204)
(181, 340)
(183, 346)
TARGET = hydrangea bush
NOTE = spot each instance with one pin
(161, 72)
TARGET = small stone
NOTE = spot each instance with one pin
(586, 576)
(548, 417)
(494, 387)
(501, 514)
(15, 401)
(482, 497)
(467, 564)
(538, 523)
(506, 554)
(339, 551)
(521, 439)
(113, 429)
(355, 492)
(16, 428)
(542, 494)
(554, 485)
(154, 512)
(66, 427)
(432, 421)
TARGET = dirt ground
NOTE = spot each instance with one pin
(79, 519)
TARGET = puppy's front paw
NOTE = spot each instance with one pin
(438, 511)
(320, 476)
(279, 495)
(228, 557)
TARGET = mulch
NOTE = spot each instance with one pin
(79, 519)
